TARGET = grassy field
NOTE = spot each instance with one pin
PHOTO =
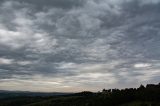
(141, 103)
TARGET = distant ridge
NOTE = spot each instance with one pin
(7, 93)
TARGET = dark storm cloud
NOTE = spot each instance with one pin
(72, 43)
(65, 4)
(40, 4)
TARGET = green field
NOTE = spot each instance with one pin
(141, 103)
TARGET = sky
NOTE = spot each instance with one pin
(78, 45)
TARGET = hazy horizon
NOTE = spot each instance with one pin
(78, 45)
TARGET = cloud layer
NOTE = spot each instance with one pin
(74, 45)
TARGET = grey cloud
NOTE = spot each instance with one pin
(65, 4)
(80, 42)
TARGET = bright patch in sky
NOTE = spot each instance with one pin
(142, 65)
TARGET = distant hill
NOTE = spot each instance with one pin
(13, 94)
(148, 95)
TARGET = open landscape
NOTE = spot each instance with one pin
(79, 52)
(142, 96)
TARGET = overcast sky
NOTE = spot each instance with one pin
(77, 45)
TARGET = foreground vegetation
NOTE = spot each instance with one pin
(142, 96)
